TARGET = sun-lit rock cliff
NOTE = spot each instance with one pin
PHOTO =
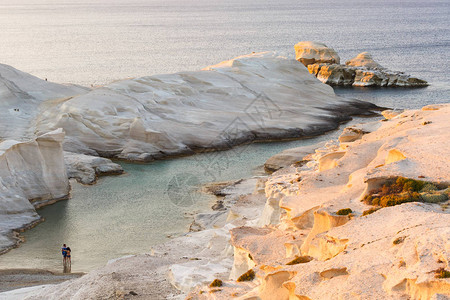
(32, 174)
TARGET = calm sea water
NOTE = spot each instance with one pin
(96, 42)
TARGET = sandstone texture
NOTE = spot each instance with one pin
(365, 60)
(32, 174)
(360, 71)
(289, 157)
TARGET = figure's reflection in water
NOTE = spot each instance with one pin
(67, 267)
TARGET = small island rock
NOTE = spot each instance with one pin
(360, 71)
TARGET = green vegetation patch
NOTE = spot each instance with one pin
(247, 276)
(403, 190)
(399, 240)
(300, 260)
(442, 273)
(370, 211)
(344, 212)
(216, 283)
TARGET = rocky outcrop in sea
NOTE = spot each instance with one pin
(360, 71)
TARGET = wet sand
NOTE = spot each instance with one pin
(19, 278)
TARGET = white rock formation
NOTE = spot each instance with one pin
(361, 70)
(22, 96)
(251, 97)
(393, 253)
(248, 98)
(312, 252)
(32, 174)
(85, 168)
(308, 53)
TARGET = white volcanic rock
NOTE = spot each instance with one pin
(289, 157)
(21, 97)
(85, 168)
(365, 60)
(31, 174)
(251, 97)
(308, 52)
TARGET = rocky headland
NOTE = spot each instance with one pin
(360, 71)
(253, 97)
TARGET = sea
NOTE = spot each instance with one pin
(96, 42)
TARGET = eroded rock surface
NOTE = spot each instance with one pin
(32, 174)
(21, 96)
(365, 60)
(289, 157)
(302, 245)
(86, 169)
(362, 70)
(320, 241)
